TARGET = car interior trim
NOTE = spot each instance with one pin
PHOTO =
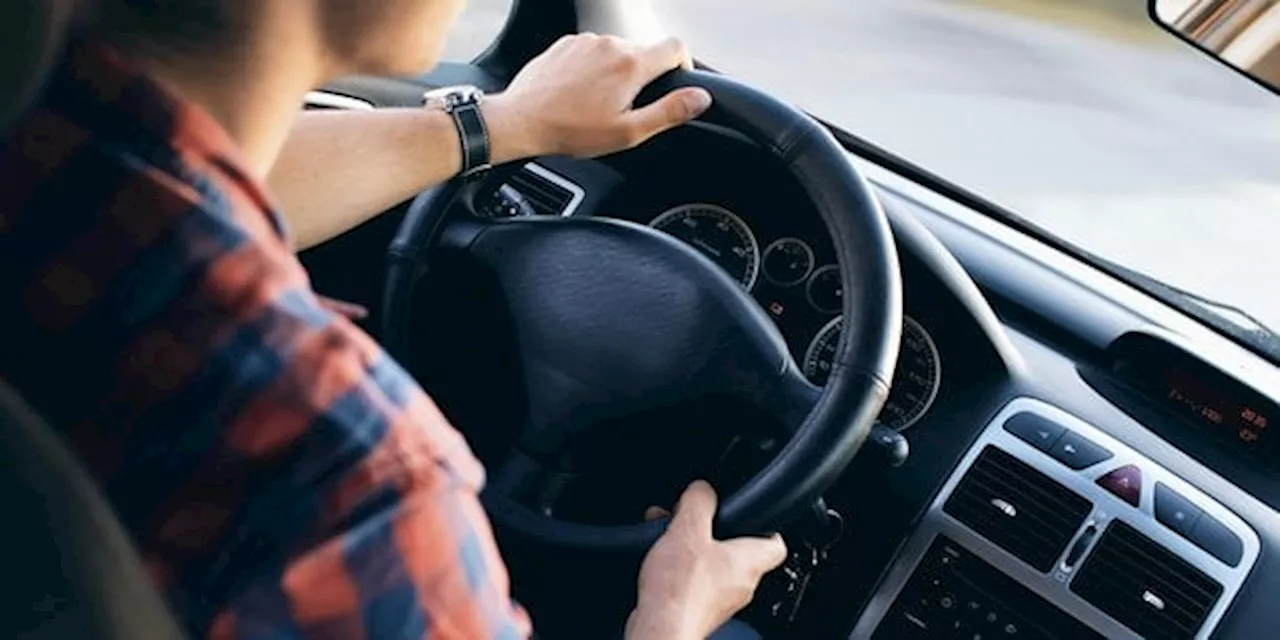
(579, 194)
(331, 100)
(1054, 586)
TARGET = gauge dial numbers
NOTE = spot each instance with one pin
(718, 234)
(787, 262)
(916, 378)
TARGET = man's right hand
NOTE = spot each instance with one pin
(691, 583)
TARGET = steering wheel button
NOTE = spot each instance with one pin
(1125, 483)
(1077, 452)
(1035, 430)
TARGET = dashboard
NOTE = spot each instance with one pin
(1084, 461)
(786, 262)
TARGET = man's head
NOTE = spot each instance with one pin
(351, 36)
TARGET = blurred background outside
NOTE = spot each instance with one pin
(1079, 115)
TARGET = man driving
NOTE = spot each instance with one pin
(281, 475)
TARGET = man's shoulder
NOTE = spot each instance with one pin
(94, 222)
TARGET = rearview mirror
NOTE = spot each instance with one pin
(1244, 34)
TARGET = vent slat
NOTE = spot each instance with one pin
(1145, 586)
(1127, 583)
(547, 198)
(1123, 553)
(985, 515)
(1045, 515)
(1049, 520)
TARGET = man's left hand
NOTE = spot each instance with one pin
(576, 98)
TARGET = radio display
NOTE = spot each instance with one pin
(1218, 405)
(1234, 416)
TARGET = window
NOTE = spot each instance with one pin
(1080, 115)
(476, 29)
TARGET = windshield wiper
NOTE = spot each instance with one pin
(1224, 317)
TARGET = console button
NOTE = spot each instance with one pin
(1125, 482)
(1175, 511)
(1217, 539)
(1034, 430)
(1077, 452)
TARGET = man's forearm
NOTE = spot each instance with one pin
(340, 168)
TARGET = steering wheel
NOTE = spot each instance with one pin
(613, 318)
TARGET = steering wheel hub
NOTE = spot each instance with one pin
(613, 319)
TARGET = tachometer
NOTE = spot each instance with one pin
(719, 234)
(788, 261)
(825, 291)
(915, 379)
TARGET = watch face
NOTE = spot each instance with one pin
(450, 97)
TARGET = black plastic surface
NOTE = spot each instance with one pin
(1035, 430)
(1195, 405)
(954, 594)
(1145, 586)
(1078, 452)
(1015, 506)
(1213, 536)
(1175, 511)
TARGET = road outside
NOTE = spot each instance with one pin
(1117, 138)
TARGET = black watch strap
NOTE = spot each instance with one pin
(474, 136)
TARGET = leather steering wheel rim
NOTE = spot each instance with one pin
(826, 441)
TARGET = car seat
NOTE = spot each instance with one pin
(70, 570)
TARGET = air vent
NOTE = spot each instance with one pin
(1018, 508)
(1145, 586)
(549, 193)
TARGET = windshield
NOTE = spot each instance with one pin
(1079, 115)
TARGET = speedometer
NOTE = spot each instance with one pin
(719, 234)
(916, 378)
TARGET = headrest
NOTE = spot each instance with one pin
(31, 33)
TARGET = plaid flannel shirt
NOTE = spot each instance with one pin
(280, 474)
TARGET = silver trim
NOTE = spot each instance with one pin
(809, 285)
(751, 234)
(775, 244)
(330, 100)
(579, 194)
(907, 322)
(1055, 586)
(937, 378)
(813, 344)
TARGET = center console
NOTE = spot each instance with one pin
(1050, 528)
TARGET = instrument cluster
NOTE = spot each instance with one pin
(799, 285)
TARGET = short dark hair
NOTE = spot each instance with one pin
(158, 27)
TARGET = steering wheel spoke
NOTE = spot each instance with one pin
(529, 482)
(791, 399)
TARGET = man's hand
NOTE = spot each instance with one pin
(691, 583)
(576, 98)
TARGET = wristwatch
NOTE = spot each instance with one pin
(463, 102)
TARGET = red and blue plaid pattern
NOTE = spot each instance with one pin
(281, 475)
